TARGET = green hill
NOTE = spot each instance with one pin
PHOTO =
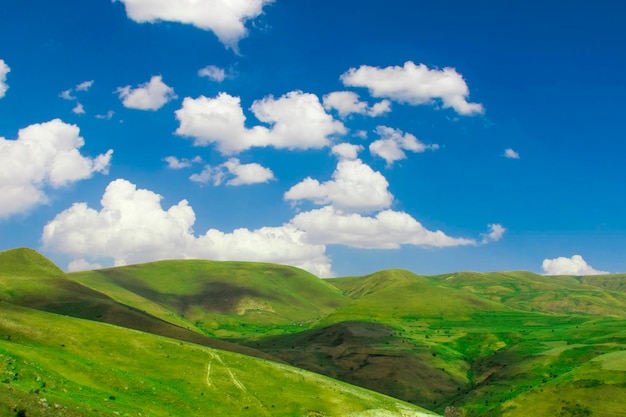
(463, 344)
(597, 295)
(29, 279)
(27, 263)
(396, 293)
(468, 340)
(53, 365)
(222, 299)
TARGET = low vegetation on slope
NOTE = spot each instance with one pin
(465, 344)
(31, 280)
(222, 299)
(53, 365)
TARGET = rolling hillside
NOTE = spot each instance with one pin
(222, 299)
(29, 279)
(53, 365)
(463, 344)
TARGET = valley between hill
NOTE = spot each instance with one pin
(243, 338)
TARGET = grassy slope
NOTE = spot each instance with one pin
(490, 344)
(225, 299)
(53, 365)
(605, 295)
(503, 349)
(31, 280)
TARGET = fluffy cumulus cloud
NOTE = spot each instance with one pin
(4, 70)
(387, 230)
(151, 95)
(133, 227)
(347, 102)
(225, 18)
(297, 121)
(240, 174)
(355, 187)
(347, 150)
(414, 84)
(575, 265)
(511, 154)
(43, 155)
(393, 143)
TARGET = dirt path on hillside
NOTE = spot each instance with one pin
(233, 378)
(217, 365)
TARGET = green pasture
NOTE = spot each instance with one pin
(474, 344)
(56, 365)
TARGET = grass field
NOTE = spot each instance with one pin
(463, 344)
(55, 365)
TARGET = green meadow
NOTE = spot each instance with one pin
(234, 338)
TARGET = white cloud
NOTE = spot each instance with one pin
(347, 150)
(78, 109)
(208, 175)
(225, 18)
(148, 96)
(379, 108)
(4, 70)
(510, 153)
(43, 155)
(297, 121)
(175, 163)
(67, 95)
(347, 102)
(84, 86)
(394, 142)
(107, 116)
(496, 231)
(414, 84)
(132, 227)
(213, 73)
(244, 174)
(247, 173)
(575, 265)
(361, 134)
(387, 230)
(354, 187)
(82, 265)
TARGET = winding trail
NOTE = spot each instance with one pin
(215, 373)
(208, 371)
(233, 378)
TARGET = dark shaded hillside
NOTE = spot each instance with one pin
(370, 355)
(472, 341)
(223, 299)
(59, 366)
(29, 279)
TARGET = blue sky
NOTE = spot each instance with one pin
(341, 137)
